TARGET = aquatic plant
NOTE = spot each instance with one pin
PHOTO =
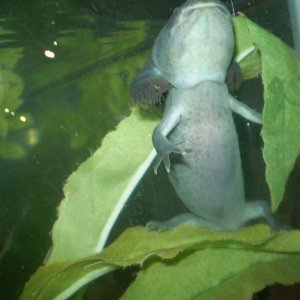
(189, 262)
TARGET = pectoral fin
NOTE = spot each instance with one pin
(149, 85)
(245, 111)
(161, 144)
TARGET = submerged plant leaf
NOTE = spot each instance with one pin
(201, 261)
(62, 280)
(215, 274)
(280, 71)
(250, 64)
(11, 150)
(3, 127)
(281, 130)
(97, 191)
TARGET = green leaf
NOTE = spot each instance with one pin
(251, 64)
(280, 70)
(11, 150)
(11, 88)
(203, 262)
(281, 77)
(96, 192)
(215, 274)
(138, 245)
(62, 280)
(3, 127)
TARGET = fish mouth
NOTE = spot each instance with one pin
(198, 4)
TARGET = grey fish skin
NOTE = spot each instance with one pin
(196, 139)
(198, 127)
(196, 44)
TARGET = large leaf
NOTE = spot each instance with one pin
(280, 70)
(215, 274)
(97, 191)
(196, 262)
